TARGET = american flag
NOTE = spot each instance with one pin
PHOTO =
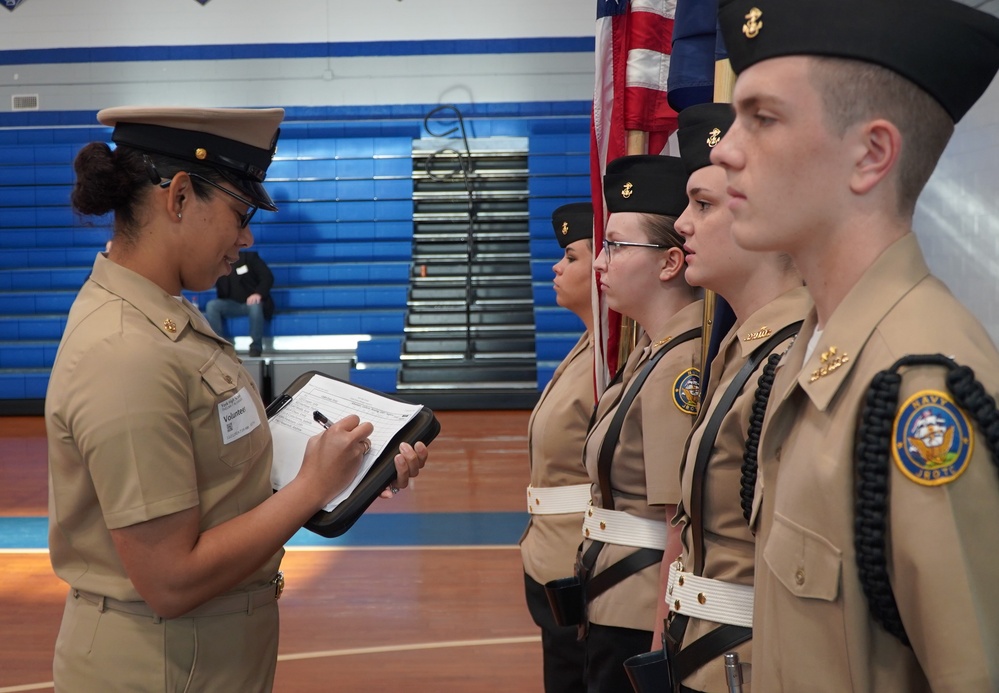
(633, 44)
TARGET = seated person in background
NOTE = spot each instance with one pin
(246, 290)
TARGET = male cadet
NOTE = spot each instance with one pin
(876, 554)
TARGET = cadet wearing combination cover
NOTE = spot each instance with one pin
(710, 587)
(161, 514)
(635, 468)
(560, 488)
(876, 562)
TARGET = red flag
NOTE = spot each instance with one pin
(633, 45)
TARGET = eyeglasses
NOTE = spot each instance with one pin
(244, 218)
(625, 244)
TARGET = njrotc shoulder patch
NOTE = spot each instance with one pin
(933, 439)
(687, 391)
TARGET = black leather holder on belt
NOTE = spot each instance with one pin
(565, 597)
(649, 672)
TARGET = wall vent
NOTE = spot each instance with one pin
(24, 102)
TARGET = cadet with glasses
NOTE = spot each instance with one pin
(634, 447)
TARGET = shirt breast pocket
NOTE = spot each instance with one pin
(236, 414)
(806, 563)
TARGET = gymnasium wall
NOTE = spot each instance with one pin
(387, 59)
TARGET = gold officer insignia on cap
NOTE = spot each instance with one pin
(753, 24)
(761, 333)
(565, 228)
(200, 153)
(714, 137)
(831, 360)
(626, 190)
(169, 325)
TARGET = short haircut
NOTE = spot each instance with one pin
(853, 91)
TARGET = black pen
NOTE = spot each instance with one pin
(322, 420)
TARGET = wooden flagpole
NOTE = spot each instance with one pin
(724, 84)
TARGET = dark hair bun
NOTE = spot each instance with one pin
(104, 182)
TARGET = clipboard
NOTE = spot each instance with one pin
(423, 427)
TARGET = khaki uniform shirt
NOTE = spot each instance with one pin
(645, 474)
(555, 435)
(728, 542)
(812, 627)
(139, 398)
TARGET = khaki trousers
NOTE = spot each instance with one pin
(110, 651)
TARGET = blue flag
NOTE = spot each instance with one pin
(692, 63)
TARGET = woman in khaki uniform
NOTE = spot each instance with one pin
(877, 503)
(560, 488)
(711, 585)
(637, 488)
(162, 518)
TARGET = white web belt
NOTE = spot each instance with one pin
(616, 527)
(557, 500)
(709, 600)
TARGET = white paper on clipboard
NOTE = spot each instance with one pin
(292, 427)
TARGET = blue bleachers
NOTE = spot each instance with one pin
(340, 247)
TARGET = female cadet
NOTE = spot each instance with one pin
(710, 587)
(162, 518)
(560, 487)
(633, 450)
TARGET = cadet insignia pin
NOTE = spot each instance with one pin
(565, 228)
(714, 137)
(753, 24)
(687, 391)
(169, 325)
(761, 333)
(933, 439)
(626, 190)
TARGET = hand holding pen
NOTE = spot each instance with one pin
(326, 423)
(408, 462)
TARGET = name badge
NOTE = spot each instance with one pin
(242, 269)
(238, 416)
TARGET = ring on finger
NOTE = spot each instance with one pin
(394, 489)
(367, 445)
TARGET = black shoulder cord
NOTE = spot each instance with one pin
(872, 467)
(764, 384)
(763, 387)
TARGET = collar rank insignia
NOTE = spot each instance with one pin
(932, 439)
(753, 24)
(714, 137)
(761, 333)
(831, 360)
(626, 190)
(565, 228)
(687, 391)
(169, 325)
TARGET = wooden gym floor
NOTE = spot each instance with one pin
(423, 594)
